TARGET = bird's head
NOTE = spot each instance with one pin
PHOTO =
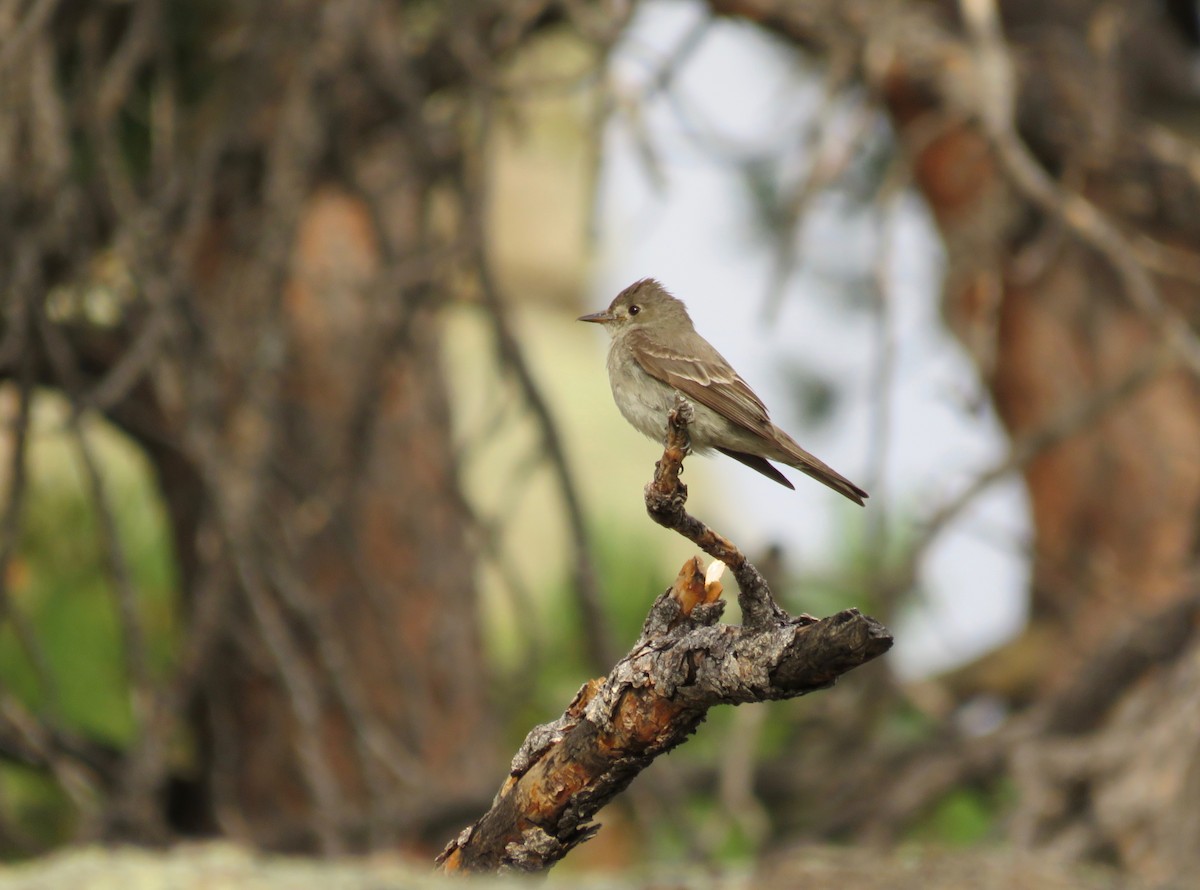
(644, 304)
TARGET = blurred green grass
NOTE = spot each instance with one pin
(60, 583)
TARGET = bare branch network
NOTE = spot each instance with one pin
(684, 663)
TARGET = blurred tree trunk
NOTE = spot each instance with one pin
(1116, 503)
(277, 192)
(1063, 312)
(357, 697)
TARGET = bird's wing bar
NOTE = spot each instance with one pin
(706, 378)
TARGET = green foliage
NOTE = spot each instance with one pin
(64, 587)
(905, 725)
(60, 582)
(963, 817)
(33, 801)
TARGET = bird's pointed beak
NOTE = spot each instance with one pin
(597, 317)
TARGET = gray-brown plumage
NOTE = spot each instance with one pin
(656, 353)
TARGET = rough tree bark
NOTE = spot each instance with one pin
(684, 663)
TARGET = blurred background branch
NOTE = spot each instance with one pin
(286, 349)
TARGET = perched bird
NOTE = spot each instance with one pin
(656, 354)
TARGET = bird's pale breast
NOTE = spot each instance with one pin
(644, 401)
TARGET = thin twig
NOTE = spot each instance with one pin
(598, 635)
(19, 38)
(830, 152)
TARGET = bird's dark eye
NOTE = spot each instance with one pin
(634, 310)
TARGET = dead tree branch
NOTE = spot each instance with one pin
(684, 663)
(666, 498)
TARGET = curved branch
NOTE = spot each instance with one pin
(684, 663)
(666, 498)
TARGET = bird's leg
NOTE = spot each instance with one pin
(678, 437)
(678, 419)
(666, 484)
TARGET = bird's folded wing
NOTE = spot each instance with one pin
(704, 376)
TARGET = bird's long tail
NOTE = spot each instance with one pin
(804, 462)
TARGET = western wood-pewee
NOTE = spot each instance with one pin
(656, 353)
